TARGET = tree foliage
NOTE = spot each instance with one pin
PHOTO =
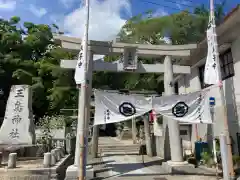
(183, 28)
(28, 55)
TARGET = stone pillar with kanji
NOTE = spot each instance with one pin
(18, 126)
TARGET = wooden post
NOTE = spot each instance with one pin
(89, 94)
(147, 136)
(95, 137)
(196, 126)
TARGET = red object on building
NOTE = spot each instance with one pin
(152, 115)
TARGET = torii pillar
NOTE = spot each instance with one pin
(174, 134)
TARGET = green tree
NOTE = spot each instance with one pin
(28, 55)
(183, 28)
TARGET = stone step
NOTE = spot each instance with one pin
(126, 151)
(93, 163)
(101, 175)
(120, 148)
(109, 140)
(119, 153)
(119, 145)
(103, 169)
(187, 169)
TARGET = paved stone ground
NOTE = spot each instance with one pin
(164, 177)
(127, 166)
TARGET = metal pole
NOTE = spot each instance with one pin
(81, 141)
(222, 97)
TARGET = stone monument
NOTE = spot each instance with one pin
(18, 126)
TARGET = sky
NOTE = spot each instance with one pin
(106, 16)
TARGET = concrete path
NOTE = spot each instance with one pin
(127, 166)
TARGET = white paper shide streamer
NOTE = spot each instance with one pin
(211, 71)
(80, 71)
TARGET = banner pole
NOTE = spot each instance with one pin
(196, 132)
(222, 97)
(82, 141)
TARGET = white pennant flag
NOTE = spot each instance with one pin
(211, 69)
(80, 67)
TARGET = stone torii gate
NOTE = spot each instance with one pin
(130, 63)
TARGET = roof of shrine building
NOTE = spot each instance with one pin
(227, 32)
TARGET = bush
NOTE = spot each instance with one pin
(236, 160)
(207, 159)
(55, 122)
(46, 125)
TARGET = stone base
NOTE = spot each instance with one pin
(174, 164)
(21, 150)
(177, 167)
(55, 172)
(72, 173)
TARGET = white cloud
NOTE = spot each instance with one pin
(183, 4)
(37, 11)
(105, 19)
(179, 6)
(160, 12)
(67, 3)
(56, 18)
(8, 5)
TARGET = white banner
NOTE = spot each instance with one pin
(80, 71)
(188, 108)
(211, 68)
(114, 107)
